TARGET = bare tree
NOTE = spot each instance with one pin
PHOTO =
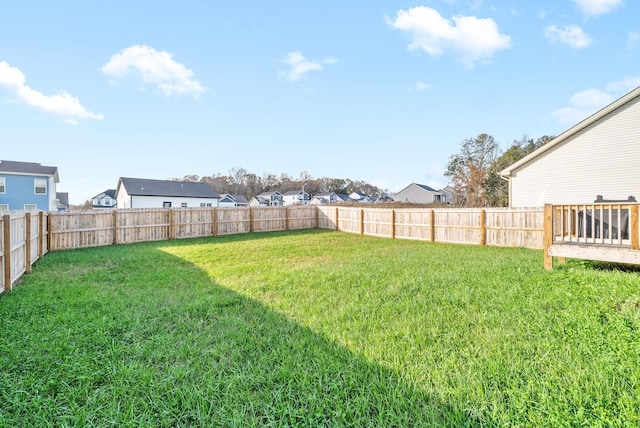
(237, 177)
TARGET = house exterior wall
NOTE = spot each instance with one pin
(20, 191)
(298, 198)
(105, 201)
(127, 201)
(255, 202)
(415, 194)
(602, 159)
(274, 198)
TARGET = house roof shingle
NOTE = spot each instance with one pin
(109, 192)
(147, 187)
(28, 168)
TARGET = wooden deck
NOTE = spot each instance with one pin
(603, 232)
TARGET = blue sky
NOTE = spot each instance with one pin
(380, 91)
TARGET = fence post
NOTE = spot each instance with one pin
(432, 225)
(317, 213)
(286, 218)
(40, 233)
(6, 221)
(393, 224)
(171, 231)
(361, 215)
(337, 219)
(27, 243)
(250, 219)
(214, 214)
(547, 240)
(49, 231)
(483, 228)
(635, 228)
(115, 227)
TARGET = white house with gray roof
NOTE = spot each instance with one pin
(228, 200)
(599, 156)
(422, 194)
(296, 197)
(267, 199)
(145, 193)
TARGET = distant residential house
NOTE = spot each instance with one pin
(296, 197)
(228, 200)
(28, 186)
(267, 199)
(341, 197)
(145, 193)
(324, 198)
(360, 197)
(106, 199)
(422, 194)
(62, 201)
(598, 156)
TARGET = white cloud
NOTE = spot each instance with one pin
(472, 38)
(571, 35)
(156, 68)
(60, 104)
(299, 65)
(597, 7)
(585, 103)
(421, 86)
(621, 87)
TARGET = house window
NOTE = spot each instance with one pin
(30, 207)
(183, 205)
(40, 186)
(166, 204)
(4, 207)
(203, 204)
(3, 185)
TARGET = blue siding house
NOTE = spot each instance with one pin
(28, 186)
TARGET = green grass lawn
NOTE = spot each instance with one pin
(318, 328)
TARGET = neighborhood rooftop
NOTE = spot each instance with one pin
(28, 168)
(147, 187)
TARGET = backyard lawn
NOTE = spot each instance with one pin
(318, 328)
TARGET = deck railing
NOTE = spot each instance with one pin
(594, 230)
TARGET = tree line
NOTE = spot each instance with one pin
(474, 172)
(239, 181)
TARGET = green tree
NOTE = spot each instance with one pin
(469, 168)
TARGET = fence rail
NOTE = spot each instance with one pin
(26, 237)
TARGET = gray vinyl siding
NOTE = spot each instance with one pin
(602, 159)
(415, 194)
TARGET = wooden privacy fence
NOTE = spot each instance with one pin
(502, 227)
(604, 232)
(97, 228)
(23, 240)
(608, 232)
(23, 234)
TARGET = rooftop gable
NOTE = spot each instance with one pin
(506, 173)
(109, 192)
(265, 194)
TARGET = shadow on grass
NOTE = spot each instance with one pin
(603, 266)
(133, 336)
